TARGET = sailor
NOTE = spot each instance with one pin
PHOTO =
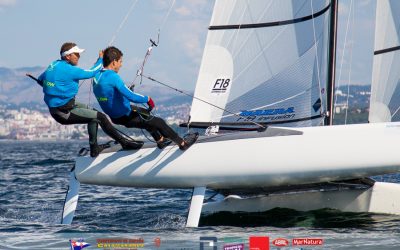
(115, 100)
(60, 84)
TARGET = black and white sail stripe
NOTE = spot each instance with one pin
(269, 24)
(383, 51)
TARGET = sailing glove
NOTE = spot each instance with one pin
(150, 102)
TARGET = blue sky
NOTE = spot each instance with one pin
(32, 32)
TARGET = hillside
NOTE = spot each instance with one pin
(17, 90)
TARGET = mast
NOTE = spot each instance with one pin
(332, 62)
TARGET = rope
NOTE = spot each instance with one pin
(166, 17)
(146, 56)
(116, 33)
(397, 110)
(148, 138)
(140, 71)
(316, 55)
(351, 62)
(263, 48)
(343, 52)
(194, 97)
(122, 23)
(127, 136)
(233, 39)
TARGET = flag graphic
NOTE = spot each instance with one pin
(259, 243)
(78, 245)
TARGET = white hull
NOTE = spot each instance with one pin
(319, 154)
(380, 198)
(274, 158)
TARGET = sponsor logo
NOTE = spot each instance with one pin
(221, 85)
(49, 84)
(208, 243)
(307, 242)
(120, 243)
(157, 242)
(259, 243)
(280, 242)
(102, 99)
(234, 247)
(265, 112)
(265, 115)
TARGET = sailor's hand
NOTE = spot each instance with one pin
(101, 53)
(151, 104)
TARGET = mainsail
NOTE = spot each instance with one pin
(264, 63)
(385, 88)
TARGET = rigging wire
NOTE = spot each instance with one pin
(232, 40)
(117, 32)
(243, 70)
(351, 62)
(111, 42)
(141, 70)
(258, 38)
(199, 99)
(263, 47)
(343, 53)
(123, 22)
(255, 58)
(316, 55)
(394, 113)
(166, 16)
(153, 44)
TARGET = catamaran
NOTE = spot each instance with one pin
(268, 72)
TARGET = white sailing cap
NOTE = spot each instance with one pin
(74, 49)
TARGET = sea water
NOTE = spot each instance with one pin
(34, 178)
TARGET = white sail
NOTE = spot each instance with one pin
(385, 88)
(265, 62)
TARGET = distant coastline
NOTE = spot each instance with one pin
(32, 122)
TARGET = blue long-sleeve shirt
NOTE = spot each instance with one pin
(113, 95)
(61, 81)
